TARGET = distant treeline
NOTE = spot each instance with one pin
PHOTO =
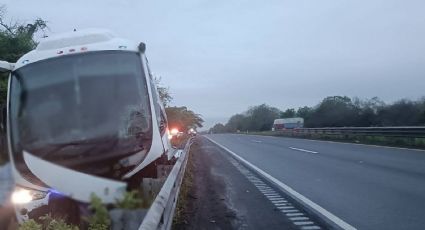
(334, 111)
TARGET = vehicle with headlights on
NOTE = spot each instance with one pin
(83, 116)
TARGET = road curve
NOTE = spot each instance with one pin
(369, 187)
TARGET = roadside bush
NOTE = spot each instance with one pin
(51, 223)
(30, 225)
(131, 200)
(99, 220)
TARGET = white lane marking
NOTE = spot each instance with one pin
(270, 193)
(276, 198)
(294, 214)
(299, 218)
(273, 196)
(290, 210)
(263, 186)
(303, 150)
(314, 227)
(280, 206)
(323, 212)
(346, 143)
(279, 202)
(256, 141)
(303, 222)
(286, 207)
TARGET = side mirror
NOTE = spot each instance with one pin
(6, 66)
(142, 47)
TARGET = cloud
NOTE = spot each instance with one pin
(220, 57)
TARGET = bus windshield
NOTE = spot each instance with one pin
(95, 104)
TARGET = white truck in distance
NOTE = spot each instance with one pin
(83, 117)
(288, 123)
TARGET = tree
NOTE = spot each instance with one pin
(401, 113)
(288, 113)
(334, 111)
(304, 112)
(183, 118)
(237, 122)
(180, 117)
(261, 117)
(164, 92)
(218, 128)
(368, 111)
(16, 40)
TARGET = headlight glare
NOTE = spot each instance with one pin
(23, 196)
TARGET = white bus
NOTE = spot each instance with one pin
(288, 123)
(83, 117)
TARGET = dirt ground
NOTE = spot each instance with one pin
(204, 201)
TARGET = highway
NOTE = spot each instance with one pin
(369, 187)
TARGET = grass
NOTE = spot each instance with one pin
(407, 142)
(186, 186)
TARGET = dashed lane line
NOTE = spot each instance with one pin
(323, 213)
(299, 218)
(275, 198)
(295, 214)
(303, 222)
(303, 150)
(310, 227)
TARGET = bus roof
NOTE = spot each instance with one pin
(76, 42)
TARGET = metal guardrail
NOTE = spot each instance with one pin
(161, 212)
(413, 131)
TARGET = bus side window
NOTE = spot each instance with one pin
(160, 116)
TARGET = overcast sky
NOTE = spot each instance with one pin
(220, 57)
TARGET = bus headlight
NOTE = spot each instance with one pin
(23, 196)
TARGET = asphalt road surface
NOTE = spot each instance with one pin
(369, 187)
(223, 194)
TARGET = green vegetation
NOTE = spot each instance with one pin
(163, 91)
(131, 200)
(407, 142)
(30, 225)
(257, 118)
(183, 118)
(16, 39)
(99, 220)
(178, 116)
(47, 223)
(50, 223)
(334, 111)
(184, 194)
